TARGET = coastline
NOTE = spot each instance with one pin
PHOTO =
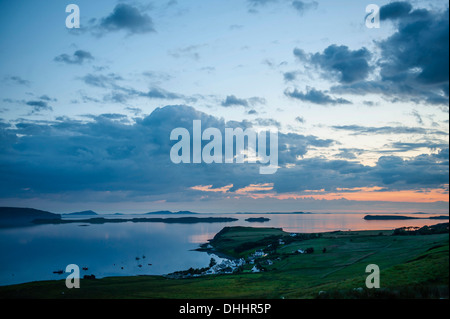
(338, 263)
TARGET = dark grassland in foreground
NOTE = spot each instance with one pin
(412, 265)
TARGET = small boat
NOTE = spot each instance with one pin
(59, 272)
(85, 268)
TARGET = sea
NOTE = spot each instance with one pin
(42, 252)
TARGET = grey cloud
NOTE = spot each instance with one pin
(17, 80)
(267, 122)
(257, 3)
(301, 55)
(300, 119)
(100, 80)
(417, 116)
(315, 96)
(302, 6)
(121, 94)
(406, 147)
(357, 129)
(128, 18)
(189, 52)
(157, 93)
(350, 153)
(45, 97)
(39, 106)
(232, 100)
(79, 57)
(290, 76)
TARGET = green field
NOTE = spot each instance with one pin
(411, 266)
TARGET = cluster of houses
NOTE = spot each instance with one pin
(227, 266)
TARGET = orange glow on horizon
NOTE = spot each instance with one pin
(371, 194)
(363, 194)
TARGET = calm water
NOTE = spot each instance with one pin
(33, 253)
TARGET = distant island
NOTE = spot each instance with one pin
(400, 217)
(16, 216)
(83, 213)
(166, 212)
(257, 220)
(175, 220)
(273, 213)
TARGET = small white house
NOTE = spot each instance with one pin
(255, 269)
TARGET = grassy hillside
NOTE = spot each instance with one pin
(412, 266)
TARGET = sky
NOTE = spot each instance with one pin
(362, 113)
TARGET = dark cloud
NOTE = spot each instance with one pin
(110, 153)
(79, 57)
(128, 18)
(416, 56)
(414, 64)
(390, 172)
(427, 170)
(348, 65)
(395, 10)
(344, 64)
(315, 96)
(301, 55)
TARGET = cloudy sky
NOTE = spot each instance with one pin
(362, 114)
